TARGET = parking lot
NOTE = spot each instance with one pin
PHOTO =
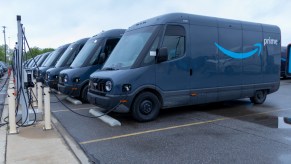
(226, 132)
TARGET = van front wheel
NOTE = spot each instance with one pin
(146, 107)
(84, 94)
(259, 97)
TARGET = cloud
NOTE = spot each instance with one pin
(53, 23)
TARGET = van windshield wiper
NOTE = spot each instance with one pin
(109, 68)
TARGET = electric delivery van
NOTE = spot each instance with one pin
(39, 63)
(74, 81)
(33, 61)
(52, 74)
(50, 62)
(182, 59)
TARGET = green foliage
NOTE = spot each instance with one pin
(2, 53)
(32, 53)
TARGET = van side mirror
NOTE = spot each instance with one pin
(162, 55)
(102, 58)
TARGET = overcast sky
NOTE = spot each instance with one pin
(56, 22)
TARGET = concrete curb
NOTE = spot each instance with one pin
(3, 143)
(75, 148)
(3, 134)
(73, 101)
(105, 118)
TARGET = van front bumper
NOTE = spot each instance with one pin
(40, 79)
(52, 84)
(69, 90)
(108, 102)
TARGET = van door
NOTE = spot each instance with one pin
(173, 76)
(204, 64)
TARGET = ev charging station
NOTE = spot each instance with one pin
(30, 101)
(24, 93)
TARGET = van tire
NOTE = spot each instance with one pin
(146, 107)
(84, 93)
(259, 97)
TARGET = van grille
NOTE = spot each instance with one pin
(97, 84)
(61, 79)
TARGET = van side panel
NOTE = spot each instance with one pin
(204, 64)
(271, 51)
(252, 66)
(229, 68)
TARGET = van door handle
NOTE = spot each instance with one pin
(190, 72)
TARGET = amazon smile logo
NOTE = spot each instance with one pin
(238, 55)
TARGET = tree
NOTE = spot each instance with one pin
(29, 54)
(2, 53)
(34, 51)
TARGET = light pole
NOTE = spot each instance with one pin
(9, 48)
(4, 42)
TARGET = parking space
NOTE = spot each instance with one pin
(226, 132)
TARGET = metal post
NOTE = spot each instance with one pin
(39, 96)
(4, 42)
(34, 94)
(47, 109)
(20, 73)
(11, 108)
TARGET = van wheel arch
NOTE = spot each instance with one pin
(82, 94)
(148, 90)
(259, 96)
(141, 100)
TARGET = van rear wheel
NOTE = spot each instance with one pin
(146, 107)
(259, 97)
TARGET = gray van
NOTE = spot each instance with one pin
(182, 59)
(74, 80)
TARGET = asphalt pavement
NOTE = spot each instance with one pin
(228, 132)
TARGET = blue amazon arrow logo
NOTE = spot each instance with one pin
(241, 55)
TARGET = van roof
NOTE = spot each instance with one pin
(110, 33)
(183, 18)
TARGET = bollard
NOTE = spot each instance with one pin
(47, 109)
(39, 96)
(11, 109)
(34, 94)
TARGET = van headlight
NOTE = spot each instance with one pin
(66, 78)
(108, 86)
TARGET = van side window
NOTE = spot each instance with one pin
(109, 46)
(151, 59)
(94, 59)
(174, 40)
(72, 57)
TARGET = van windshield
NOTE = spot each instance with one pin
(68, 56)
(89, 52)
(52, 58)
(128, 48)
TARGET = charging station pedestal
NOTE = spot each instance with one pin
(24, 84)
(34, 113)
